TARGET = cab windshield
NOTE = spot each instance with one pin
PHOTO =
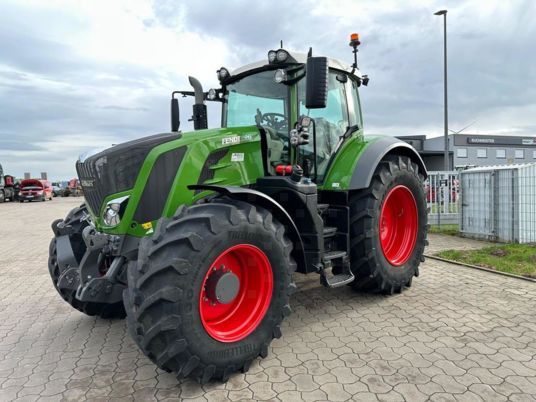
(258, 100)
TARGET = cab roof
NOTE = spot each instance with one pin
(301, 58)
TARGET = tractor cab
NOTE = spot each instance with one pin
(273, 94)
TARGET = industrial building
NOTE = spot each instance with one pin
(474, 150)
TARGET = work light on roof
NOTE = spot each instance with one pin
(223, 74)
(272, 56)
(282, 55)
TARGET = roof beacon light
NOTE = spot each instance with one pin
(354, 40)
(354, 43)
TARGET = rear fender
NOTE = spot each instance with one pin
(374, 153)
(262, 200)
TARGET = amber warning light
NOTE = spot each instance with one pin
(354, 40)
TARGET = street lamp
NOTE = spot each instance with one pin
(446, 156)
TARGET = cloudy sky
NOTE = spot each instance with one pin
(79, 75)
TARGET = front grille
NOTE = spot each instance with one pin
(158, 187)
(93, 191)
(115, 169)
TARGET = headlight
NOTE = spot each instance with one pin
(281, 55)
(280, 75)
(114, 210)
(271, 56)
(223, 74)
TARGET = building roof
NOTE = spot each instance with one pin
(501, 167)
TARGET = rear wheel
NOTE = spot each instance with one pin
(2, 196)
(75, 219)
(388, 227)
(210, 289)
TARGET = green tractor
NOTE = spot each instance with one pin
(195, 236)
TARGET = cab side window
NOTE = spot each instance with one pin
(354, 106)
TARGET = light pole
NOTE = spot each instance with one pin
(446, 157)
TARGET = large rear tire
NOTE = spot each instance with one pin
(75, 219)
(389, 227)
(210, 289)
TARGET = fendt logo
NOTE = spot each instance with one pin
(87, 183)
(235, 139)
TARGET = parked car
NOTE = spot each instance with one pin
(73, 188)
(57, 189)
(34, 189)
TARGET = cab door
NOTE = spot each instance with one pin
(331, 123)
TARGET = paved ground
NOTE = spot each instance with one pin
(457, 334)
(440, 242)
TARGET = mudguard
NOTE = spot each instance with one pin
(374, 153)
(257, 198)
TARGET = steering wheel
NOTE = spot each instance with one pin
(273, 120)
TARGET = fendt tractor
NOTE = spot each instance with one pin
(195, 236)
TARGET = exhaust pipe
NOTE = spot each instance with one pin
(199, 116)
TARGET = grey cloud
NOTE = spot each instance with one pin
(15, 142)
(124, 108)
(489, 66)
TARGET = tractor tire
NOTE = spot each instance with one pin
(2, 196)
(74, 218)
(388, 227)
(210, 289)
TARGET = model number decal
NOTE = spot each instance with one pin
(235, 139)
(237, 157)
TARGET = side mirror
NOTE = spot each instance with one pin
(316, 88)
(175, 116)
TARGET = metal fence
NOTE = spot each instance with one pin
(443, 195)
(499, 203)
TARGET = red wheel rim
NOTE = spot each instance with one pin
(398, 225)
(236, 319)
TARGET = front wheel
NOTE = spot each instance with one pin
(388, 227)
(210, 289)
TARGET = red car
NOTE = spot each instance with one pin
(34, 189)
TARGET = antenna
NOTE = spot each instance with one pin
(463, 129)
(281, 44)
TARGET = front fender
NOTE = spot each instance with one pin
(262, 200)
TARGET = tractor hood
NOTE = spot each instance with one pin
(146, 170)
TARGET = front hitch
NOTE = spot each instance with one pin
(90, 284)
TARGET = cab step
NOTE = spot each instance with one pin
(329, 231)
(341, 279)
(334, 255)
(322, 208)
